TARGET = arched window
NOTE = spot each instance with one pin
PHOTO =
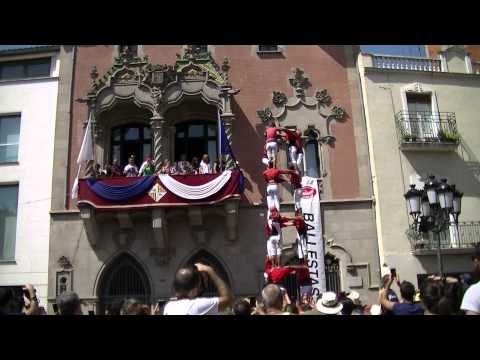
(312, 159)
(206, 258)
(124, 278)
(194, 139)
(131, 140)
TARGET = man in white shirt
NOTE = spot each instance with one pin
(131, 169)
(205, 166)
(471, 299)
(188, 286)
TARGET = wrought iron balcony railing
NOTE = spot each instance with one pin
(463, 236)
(427, 127)
(406, 63)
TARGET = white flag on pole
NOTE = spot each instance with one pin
(86, 154)
(86, 151)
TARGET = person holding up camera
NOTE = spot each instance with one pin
(189, 284)
(407, 293)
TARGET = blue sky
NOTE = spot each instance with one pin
(405, 50)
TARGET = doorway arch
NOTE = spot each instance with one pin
(123, 278)
(204, 257)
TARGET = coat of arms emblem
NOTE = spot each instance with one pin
(157, 192)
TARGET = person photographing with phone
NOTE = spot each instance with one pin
(407, 293)
(30, 300)
(189, 284)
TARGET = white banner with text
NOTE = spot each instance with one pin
(310, 204)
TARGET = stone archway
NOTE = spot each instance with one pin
(124, 277)
(205, 257)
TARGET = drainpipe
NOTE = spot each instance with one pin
(70, 116)
(378, 222)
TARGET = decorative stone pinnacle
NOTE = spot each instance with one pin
(64, 262)
(225, 69)
(94, 74)
(299, 81)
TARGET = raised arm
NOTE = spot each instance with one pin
(224, 293)
(33, 308)
(383, 296)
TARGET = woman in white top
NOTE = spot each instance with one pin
(205, 166)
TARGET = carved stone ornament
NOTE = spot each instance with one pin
(323, 98)
(93, 75)
(337, 113)
(279, 98)
(299, 81)
(225, 69)
(64, 262)
(266, 115)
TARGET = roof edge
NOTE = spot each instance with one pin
(33, 50)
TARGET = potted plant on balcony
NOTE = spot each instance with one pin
(416, 239)
(409, 138)
(447, 136)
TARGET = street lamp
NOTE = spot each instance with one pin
(432, 207)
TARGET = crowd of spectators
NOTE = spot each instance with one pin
(147, 168)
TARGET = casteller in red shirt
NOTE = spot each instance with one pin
(294, 139)
(271, 134)
(276, 275)
(295, 180)
(300, 225)
(273, 174)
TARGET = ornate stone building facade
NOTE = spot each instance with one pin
(164, 101)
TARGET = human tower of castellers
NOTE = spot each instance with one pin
(274, 271)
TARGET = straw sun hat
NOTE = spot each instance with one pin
(328, 304)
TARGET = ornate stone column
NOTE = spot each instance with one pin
(227, 118)
(160, 132)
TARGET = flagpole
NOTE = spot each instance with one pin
(85, 154)
(219, 138)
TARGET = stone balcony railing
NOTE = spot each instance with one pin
(406, 63)
(401, 63)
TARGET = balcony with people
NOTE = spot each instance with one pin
(161, 147)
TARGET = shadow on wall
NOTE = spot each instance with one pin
(450, 166)
(336, 52)
(248, 146)
(470, 159)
